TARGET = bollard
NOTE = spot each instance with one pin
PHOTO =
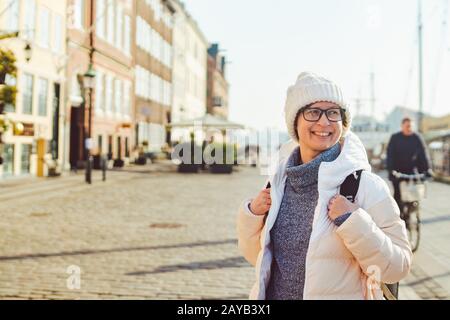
(88, 173)
(104, 168)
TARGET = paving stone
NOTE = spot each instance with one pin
(189, 253)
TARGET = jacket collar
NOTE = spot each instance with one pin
(353, 157)
(332, 174)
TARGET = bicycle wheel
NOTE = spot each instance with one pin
(412, 221)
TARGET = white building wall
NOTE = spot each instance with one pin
(189, 72)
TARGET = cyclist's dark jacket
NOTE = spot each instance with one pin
(404, 153)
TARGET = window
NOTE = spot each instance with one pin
(13, 15)
(167, 93)
(159, 88)
(119, 26)
(157, 10)
(8, 159)
(127, 34)
(110, 21)
(138, 31)
(143, 83)
(43, 88)
(109, 92)
(27, 96)
(99, 92)
(100, 18)
(153, 84)
(137, 80)
(44, 27)
(217, 101)
(126, 98)
(57, 35)
(25, 158)
(158, 43)
(117, 96)
(30, 19)
(78, 14)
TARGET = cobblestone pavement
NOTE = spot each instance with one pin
(150, 234)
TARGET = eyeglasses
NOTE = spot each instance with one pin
(314, 114)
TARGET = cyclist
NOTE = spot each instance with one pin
(407, 154)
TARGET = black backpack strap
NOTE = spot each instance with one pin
(349, 188)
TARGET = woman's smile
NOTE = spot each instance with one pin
(322, 134)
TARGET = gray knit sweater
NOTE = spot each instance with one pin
(292, 229)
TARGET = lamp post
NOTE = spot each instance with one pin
(28, 52)
(89, 83)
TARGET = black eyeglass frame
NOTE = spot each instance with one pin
(322, 111)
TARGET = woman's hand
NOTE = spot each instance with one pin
(261, 204)
(339, 205)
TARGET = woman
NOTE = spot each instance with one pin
(307, 241)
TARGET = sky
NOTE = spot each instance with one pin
(269, 43)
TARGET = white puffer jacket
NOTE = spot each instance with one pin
(371, 244)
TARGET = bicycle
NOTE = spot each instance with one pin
(412, 190)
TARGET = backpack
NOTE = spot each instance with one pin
(349, 189)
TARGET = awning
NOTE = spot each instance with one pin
(207, 121)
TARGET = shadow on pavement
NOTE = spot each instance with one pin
(88, 252)
(436, 219)
(234, 262)
(425, 279)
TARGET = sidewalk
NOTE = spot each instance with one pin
(16, 187)
(430, 274)
(151, 233)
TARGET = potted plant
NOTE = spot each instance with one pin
(223, 157)
(187, 157)
(118, 163)
(141, 158)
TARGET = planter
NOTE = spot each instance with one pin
(141, 161)
(52, 172)
(221, 168)
(118, 163)
(188, 168)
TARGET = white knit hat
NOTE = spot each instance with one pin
(309, 89)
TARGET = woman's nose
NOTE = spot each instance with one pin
(323, 120)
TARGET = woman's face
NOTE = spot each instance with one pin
(320, 135)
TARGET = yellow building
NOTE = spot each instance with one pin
(437, 133)
(40, 83)
(435, 123)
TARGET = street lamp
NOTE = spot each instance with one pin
(89, 83)
(28, 52)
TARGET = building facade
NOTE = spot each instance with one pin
(189, 71)
(394, 118)
(41, 85)
(436, 123)
(217, 90)
(436, 132)
(100, 33)
(153, 52)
